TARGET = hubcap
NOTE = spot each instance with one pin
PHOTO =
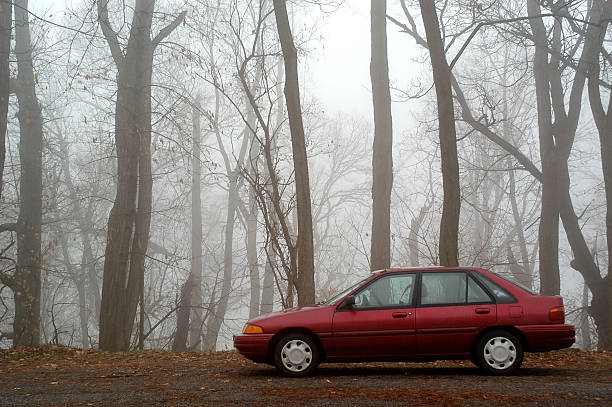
(500, 353)
(296, 355)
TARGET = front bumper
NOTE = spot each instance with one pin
(543, 338)
(253, 346)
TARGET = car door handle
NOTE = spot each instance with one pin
(399, 315)
(483, 310)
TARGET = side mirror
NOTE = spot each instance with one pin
(349, 302)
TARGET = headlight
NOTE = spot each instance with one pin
(252, 329)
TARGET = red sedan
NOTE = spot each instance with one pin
(413, 314)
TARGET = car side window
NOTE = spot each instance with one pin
(501, 295)
(476, 294)
(387, 291)
(443, 288)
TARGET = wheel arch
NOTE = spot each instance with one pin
(510, 329)
(295, 330)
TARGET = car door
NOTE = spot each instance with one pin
(381, 323)
(452, 309)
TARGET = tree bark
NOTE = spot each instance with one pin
(305, 277)
(382, 156)
(130, 217)
(26, 327)
(6, 22)
(451, 206)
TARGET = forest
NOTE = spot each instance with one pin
(169, 169)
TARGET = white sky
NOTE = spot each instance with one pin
(339, 73)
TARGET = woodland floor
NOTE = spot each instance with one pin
(60, 376)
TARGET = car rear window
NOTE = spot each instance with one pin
(516, 283)
(502, 296)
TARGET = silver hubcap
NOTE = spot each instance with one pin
(500, 353)
(296, 355)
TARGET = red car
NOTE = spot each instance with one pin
(413, 314)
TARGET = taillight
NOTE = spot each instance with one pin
(557, 314)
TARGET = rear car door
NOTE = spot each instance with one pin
(452, 308)
(381, 324)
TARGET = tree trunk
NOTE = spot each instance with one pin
(217, 317)
(305, 277)
(26, 327)
(583, 323)
(79, 282)
(382, 157)
(88, 269)
(451, 206)
(524, 271)
(179, 343)
(555, 144)
(413, 236)
(130, 217)
(6, 22)
(603, 121)
(195, 299)
(267, 291)
(252, 237)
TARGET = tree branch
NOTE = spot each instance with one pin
(494, 22)
(109, 33)
(7, 280)
(9, 227)
(167, 30)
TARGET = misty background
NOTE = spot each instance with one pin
(190, 94)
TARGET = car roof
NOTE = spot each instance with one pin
(427, 268)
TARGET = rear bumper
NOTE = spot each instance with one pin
(543, 338)
(253, 346)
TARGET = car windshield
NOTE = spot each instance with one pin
(341, 295)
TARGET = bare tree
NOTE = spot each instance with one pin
(6, 24)
(382, 157)
(26, 288)
(451, 206)
(597, 57)
(305, 278)
(189, 313)
(129, 221)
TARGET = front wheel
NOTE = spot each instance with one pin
(296, 355)
(499, 353)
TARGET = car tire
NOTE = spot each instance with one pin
(296, 355)
(499, 353)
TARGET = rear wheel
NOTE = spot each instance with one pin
(296, 355)
(499, 353)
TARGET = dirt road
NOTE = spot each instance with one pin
(71, 377)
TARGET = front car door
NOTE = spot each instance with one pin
(452, 308)
(381, 324)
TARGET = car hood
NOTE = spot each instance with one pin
(288, 311)
(316, 318)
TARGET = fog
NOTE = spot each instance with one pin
(129, 125)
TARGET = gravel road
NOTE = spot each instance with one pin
(71, 377)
